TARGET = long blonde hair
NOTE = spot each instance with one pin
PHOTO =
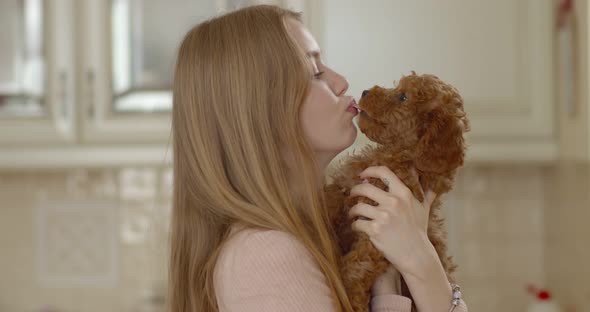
(238, 148)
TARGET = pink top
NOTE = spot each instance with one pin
(271, 271)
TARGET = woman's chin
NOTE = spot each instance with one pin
(354, 133)
(347, 140)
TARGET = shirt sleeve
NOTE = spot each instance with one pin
(395, 303)
(391, 303)
(270, 271)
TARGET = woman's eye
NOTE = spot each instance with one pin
(318, 74)
(402, 97)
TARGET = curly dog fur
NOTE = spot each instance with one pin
(418, 124)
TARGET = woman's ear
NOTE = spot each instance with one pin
(441, 148)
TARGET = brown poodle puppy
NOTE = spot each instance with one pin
(418, 125)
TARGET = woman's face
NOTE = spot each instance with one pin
(325, 117)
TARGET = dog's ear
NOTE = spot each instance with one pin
(441, 147)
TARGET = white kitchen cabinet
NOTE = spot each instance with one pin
(128, 62)
(87, 83)
(574, 117)
(37, 75)
(92, 86)
(499, 54)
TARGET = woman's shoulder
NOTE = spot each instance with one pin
(251, 244)
(268, 268)
(254, 235)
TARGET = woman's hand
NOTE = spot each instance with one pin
(397, 226)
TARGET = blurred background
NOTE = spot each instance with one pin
(85, 172)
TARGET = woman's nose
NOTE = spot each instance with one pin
(338, 83)
(364, 93)
(342, 85)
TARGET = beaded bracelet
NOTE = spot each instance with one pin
(456, 297)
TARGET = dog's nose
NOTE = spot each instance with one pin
(365, 93)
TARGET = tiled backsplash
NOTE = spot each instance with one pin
(499, 246)
(84, 240)
(508, 226)
(567, 229)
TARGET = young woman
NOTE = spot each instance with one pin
(257, 118)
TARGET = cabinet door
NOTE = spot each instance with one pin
(129, 56)
(36, 71)
(499, 54)
(129, 53)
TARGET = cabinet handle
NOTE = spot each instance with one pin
(63, 94)
(90, 93)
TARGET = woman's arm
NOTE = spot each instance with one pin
(397, 226)
(429, 285)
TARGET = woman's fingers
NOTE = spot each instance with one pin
(396, 186)
(368, 190)
(367, 211)
(365, 226)
(415, 174)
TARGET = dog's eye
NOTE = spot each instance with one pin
(402, 97)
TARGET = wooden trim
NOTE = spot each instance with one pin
(26, 158)
(31, 158)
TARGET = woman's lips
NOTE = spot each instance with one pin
(353, 107)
